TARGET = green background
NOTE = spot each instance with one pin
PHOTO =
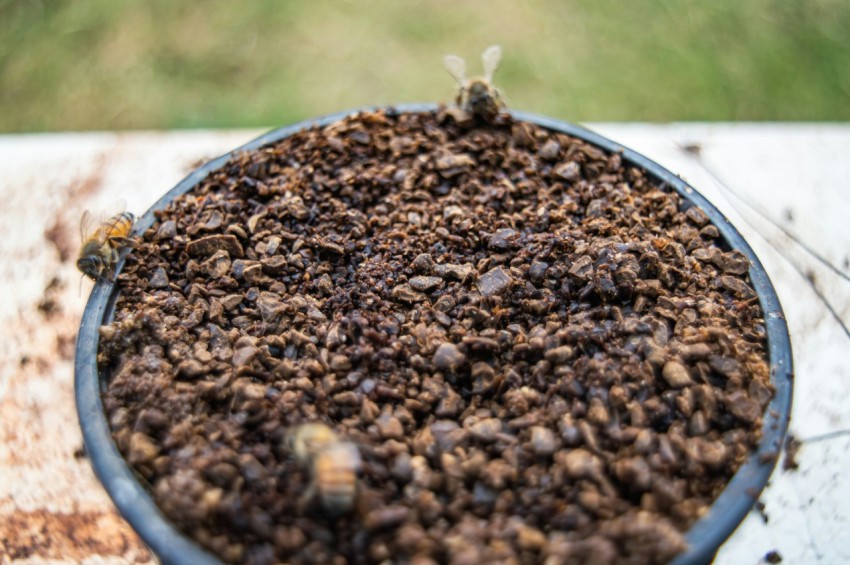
(111, 64)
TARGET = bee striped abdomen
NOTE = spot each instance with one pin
(116, 229)
(335, 476)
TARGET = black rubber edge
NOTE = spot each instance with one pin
(704, 538)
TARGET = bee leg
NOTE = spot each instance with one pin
(109, 266)
(306, 501)
(106, 275)
(113, 260)
(497, 97)
(116, 242)
(100, 269)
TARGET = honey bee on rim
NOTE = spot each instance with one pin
(477, 96)
(333, 464)
(101, 245)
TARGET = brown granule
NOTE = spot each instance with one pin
(537, 350)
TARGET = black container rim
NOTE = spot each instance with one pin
(704, 538)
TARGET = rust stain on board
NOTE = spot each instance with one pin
(59, 235)
(72, 537)
(91, 183)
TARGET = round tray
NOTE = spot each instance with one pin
(703, 538)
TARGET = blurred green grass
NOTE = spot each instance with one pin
(103, 64)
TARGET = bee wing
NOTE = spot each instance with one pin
(349, 453)
(113, 215)
(114, 209)
(456, 67)
(85, 225)
(490, 60)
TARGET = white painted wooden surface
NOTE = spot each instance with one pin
(52, 508)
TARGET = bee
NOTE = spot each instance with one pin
(333, 464)
(100, 248)
(477, 96)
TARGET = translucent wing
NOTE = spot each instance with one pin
(112, 215)
(100, 227)
(456, 67)
(347, 454)
(490, 59)
(113, 209)
(85, 225)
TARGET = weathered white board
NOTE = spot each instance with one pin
(52, 509)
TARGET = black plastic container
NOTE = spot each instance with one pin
(705, 536)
